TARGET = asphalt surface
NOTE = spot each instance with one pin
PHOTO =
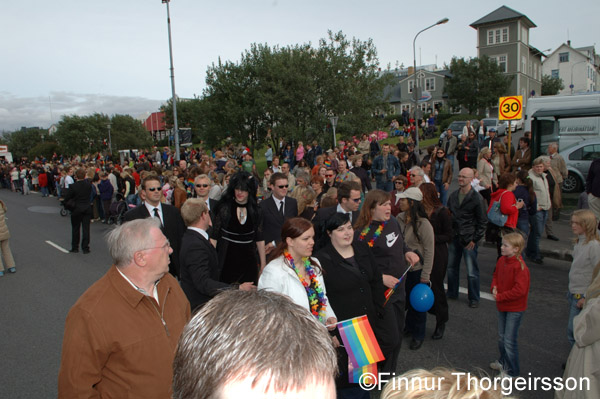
(36, 299)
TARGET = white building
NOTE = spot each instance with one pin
(577, 67)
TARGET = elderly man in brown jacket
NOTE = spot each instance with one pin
(121, 335)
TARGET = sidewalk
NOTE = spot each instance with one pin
(562, 249)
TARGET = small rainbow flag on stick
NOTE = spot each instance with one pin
(369, 373)
(390, 291)
(360, 342)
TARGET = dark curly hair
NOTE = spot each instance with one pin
(243, 181)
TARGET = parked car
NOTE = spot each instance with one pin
(457, 128)
(515, 125)
(495, 123)
(578, 158)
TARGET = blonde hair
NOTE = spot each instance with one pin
(305, 196)
(192, 210)
(516, 240)
(586, 219)
(437, 384)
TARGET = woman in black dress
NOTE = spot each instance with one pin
(355, 288)
(237, 231)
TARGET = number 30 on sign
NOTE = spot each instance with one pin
(510, 108)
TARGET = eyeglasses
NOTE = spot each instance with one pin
(441, 152)
(202, 185)
(164, 246)
(329, 175)
(284, 186)
(413, 175)
(153, 189)
(357, 200)
(399, 182)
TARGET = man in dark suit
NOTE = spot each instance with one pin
(172, 225)
(348, 202)
(81, 193)
(202, 185)
(198, 258)
(276, 210)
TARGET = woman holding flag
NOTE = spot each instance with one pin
(293, 272)
(382, 234)
(355, 288)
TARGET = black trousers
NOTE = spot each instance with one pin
(438, 274)
(81, 221)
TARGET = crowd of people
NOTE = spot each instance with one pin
(331, 230)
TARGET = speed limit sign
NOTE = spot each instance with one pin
(510, 108)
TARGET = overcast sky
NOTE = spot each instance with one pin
(79, 57)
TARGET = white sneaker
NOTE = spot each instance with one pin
(496, 365)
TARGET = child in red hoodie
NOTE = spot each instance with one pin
(510, 287)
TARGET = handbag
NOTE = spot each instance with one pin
(495, 215)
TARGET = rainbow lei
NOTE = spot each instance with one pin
(316, 296)
(365, 231)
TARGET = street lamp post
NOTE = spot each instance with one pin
(334, 120)
(415, 84)
(573, 66)
(108, 125)
(174, 98)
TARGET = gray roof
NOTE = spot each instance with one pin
(502, 14)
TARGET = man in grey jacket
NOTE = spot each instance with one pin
(469, 222)
(449, 144)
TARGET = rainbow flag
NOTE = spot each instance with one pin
(327, 163)
(369, 373)
(360, 342)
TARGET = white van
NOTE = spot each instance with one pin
(570, 130)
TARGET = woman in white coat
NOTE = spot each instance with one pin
(293, 272)
(584, 360)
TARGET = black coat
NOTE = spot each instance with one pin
(173, 229)
(272, 220)
(199, 269)
(469, 219)
(321, 217)
(356, 291)
(81, 192)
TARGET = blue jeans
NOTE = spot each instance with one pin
(538, 221)
(455, 254)
(451, 159)
(573, 311)
(44, 191)
(439, 186)
(523, 225)
(385, 186)
(508, 331)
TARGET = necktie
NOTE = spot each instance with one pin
(281, 209)
(156, 215)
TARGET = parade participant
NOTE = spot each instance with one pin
(296, 274)
(383, 235)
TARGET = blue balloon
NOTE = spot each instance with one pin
(421, 297)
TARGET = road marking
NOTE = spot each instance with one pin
(483, 295)
(57, 247)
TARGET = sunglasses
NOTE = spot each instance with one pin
(329, 175)
(399, 182)
(357, 200)
(153, 189)
(284, 186)
(202, 185)
(413, 175)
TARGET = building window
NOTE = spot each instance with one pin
(524, 33)
(411, 84)
(554, 73)
(501, 61)
(524, 64)
(563, 57)
(497, 36)
(430, 84)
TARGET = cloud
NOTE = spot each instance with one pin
(16, 112)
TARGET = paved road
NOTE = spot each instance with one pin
(36, 299)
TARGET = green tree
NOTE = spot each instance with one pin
(289, 92)
(22, 141)
(128, 133)
(551, 85)
(476, 83)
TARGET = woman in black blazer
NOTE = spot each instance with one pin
(355, 288)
